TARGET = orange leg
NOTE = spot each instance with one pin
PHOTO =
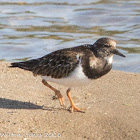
(73, 107)
(57, 92)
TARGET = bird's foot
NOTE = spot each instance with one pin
(73, 108)
(54, 97)
(60, 98)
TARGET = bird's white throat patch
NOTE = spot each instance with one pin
(110, 59)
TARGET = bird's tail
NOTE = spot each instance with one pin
(27, 65)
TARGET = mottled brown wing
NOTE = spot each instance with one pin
(58, 64)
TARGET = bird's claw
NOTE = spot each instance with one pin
(76, 109)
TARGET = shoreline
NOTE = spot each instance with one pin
(27, 107)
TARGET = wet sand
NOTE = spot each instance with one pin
(27, 109)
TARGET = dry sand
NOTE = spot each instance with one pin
(27, 110)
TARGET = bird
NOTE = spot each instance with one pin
(72, 67)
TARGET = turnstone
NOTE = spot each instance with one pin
(76, 66)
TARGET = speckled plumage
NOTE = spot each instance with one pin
(60, 63)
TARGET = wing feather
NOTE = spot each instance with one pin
(58, 64)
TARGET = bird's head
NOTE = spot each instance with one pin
(106, 47)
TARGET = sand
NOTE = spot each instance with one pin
(27, 110)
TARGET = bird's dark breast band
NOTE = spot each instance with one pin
(97, 70)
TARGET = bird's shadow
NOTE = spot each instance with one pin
(15, 104)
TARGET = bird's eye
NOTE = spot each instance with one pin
(106, 45)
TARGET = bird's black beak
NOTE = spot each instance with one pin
(115, 51)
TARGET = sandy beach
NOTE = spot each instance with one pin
(28, 111)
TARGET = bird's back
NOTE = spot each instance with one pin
(57, 64)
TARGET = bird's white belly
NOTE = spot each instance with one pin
(75, 78)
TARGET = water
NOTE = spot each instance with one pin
(31, 29)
